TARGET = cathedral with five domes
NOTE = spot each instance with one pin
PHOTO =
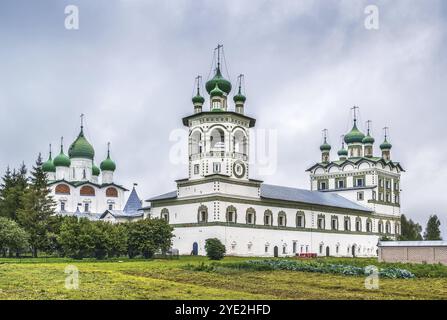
(82, 189)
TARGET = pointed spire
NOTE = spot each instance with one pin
(108, 150)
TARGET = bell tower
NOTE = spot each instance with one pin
(219, 137)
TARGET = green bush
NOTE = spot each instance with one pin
(13, 239)
(215, 250)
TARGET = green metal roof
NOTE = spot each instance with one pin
(218, 79)
(355, 135)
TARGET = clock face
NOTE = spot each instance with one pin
(239, 169)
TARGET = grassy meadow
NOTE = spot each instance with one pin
(44, 278)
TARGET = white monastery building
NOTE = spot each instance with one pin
(353, 200)
(82, 189)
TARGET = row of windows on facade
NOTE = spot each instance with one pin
(384, 197)
(322, 249)
(231, 217)
(217, 141)
(86, 206)
(85, 191)
(358, 182)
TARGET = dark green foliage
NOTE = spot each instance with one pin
(313, 266)
(76, 238)
(147, 236)
(37, 207)
(13, 239)
(410, 230)
(215, 250)
(11, 192)
(432, 231)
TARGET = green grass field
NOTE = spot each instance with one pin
(169, 279)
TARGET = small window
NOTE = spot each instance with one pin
(320, 223)
(323, 185)
(216, 167)
(196, 169)
(86, 207)
(250, 218)
(341, 184)
(358, 225)
(110, 206)
(368, 226)
(359, 182)
(62, 206)
(266, 249)
(360, 196)
(321, 248)
(84, 176)
(374, 195)
(347, 224)
(300, 221)
(334, 224)
(231, 216)
(284, 249)
(294, 247)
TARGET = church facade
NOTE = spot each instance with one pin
(82, 189)
(353, 201)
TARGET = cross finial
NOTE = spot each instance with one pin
(325, 131)
(82, 121)
(355, 108)
(50, 150)
(108, 149)
(219, 46)
(198, 79)
(342, 141)
(368, 125)
(385, 131)
(240, 79)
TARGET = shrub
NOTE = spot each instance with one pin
(13, 238)
(215, 250)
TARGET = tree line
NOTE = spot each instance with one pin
(411, 230)
(29, 225)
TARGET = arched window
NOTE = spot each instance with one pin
(87, 191)
(368, 225)
(334, 223)
(250, 216)
(268, 218)
(300, 219)
(240, 142)
(380, 226)
(202, 214)
(388, 227)
(111, 192)
(164, 214)
(196, 142)
(358, 224)
(217, 139)
(62, 189)
(347, 224)
(231, 214)
(282, 219)
(321, 223)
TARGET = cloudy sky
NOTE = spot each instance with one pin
(131, 65)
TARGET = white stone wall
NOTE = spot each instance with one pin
(253, 242)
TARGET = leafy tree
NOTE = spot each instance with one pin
(37, 207)
(12, 237)
(110, 239)
(432, 231)
(410, 230)
(215, 249)
(147, 236)
(11, 192)
(76, 238)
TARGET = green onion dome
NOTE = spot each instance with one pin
(216, 92)
(385, 145)
(368, 140)
(325, 146)
(62, 160)
(48, 166)
(95, 170)
(218, 79)
(355, 135)
(239, 98)
(198, 99)
(108, 164)
(81, 148)
(342, 152)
